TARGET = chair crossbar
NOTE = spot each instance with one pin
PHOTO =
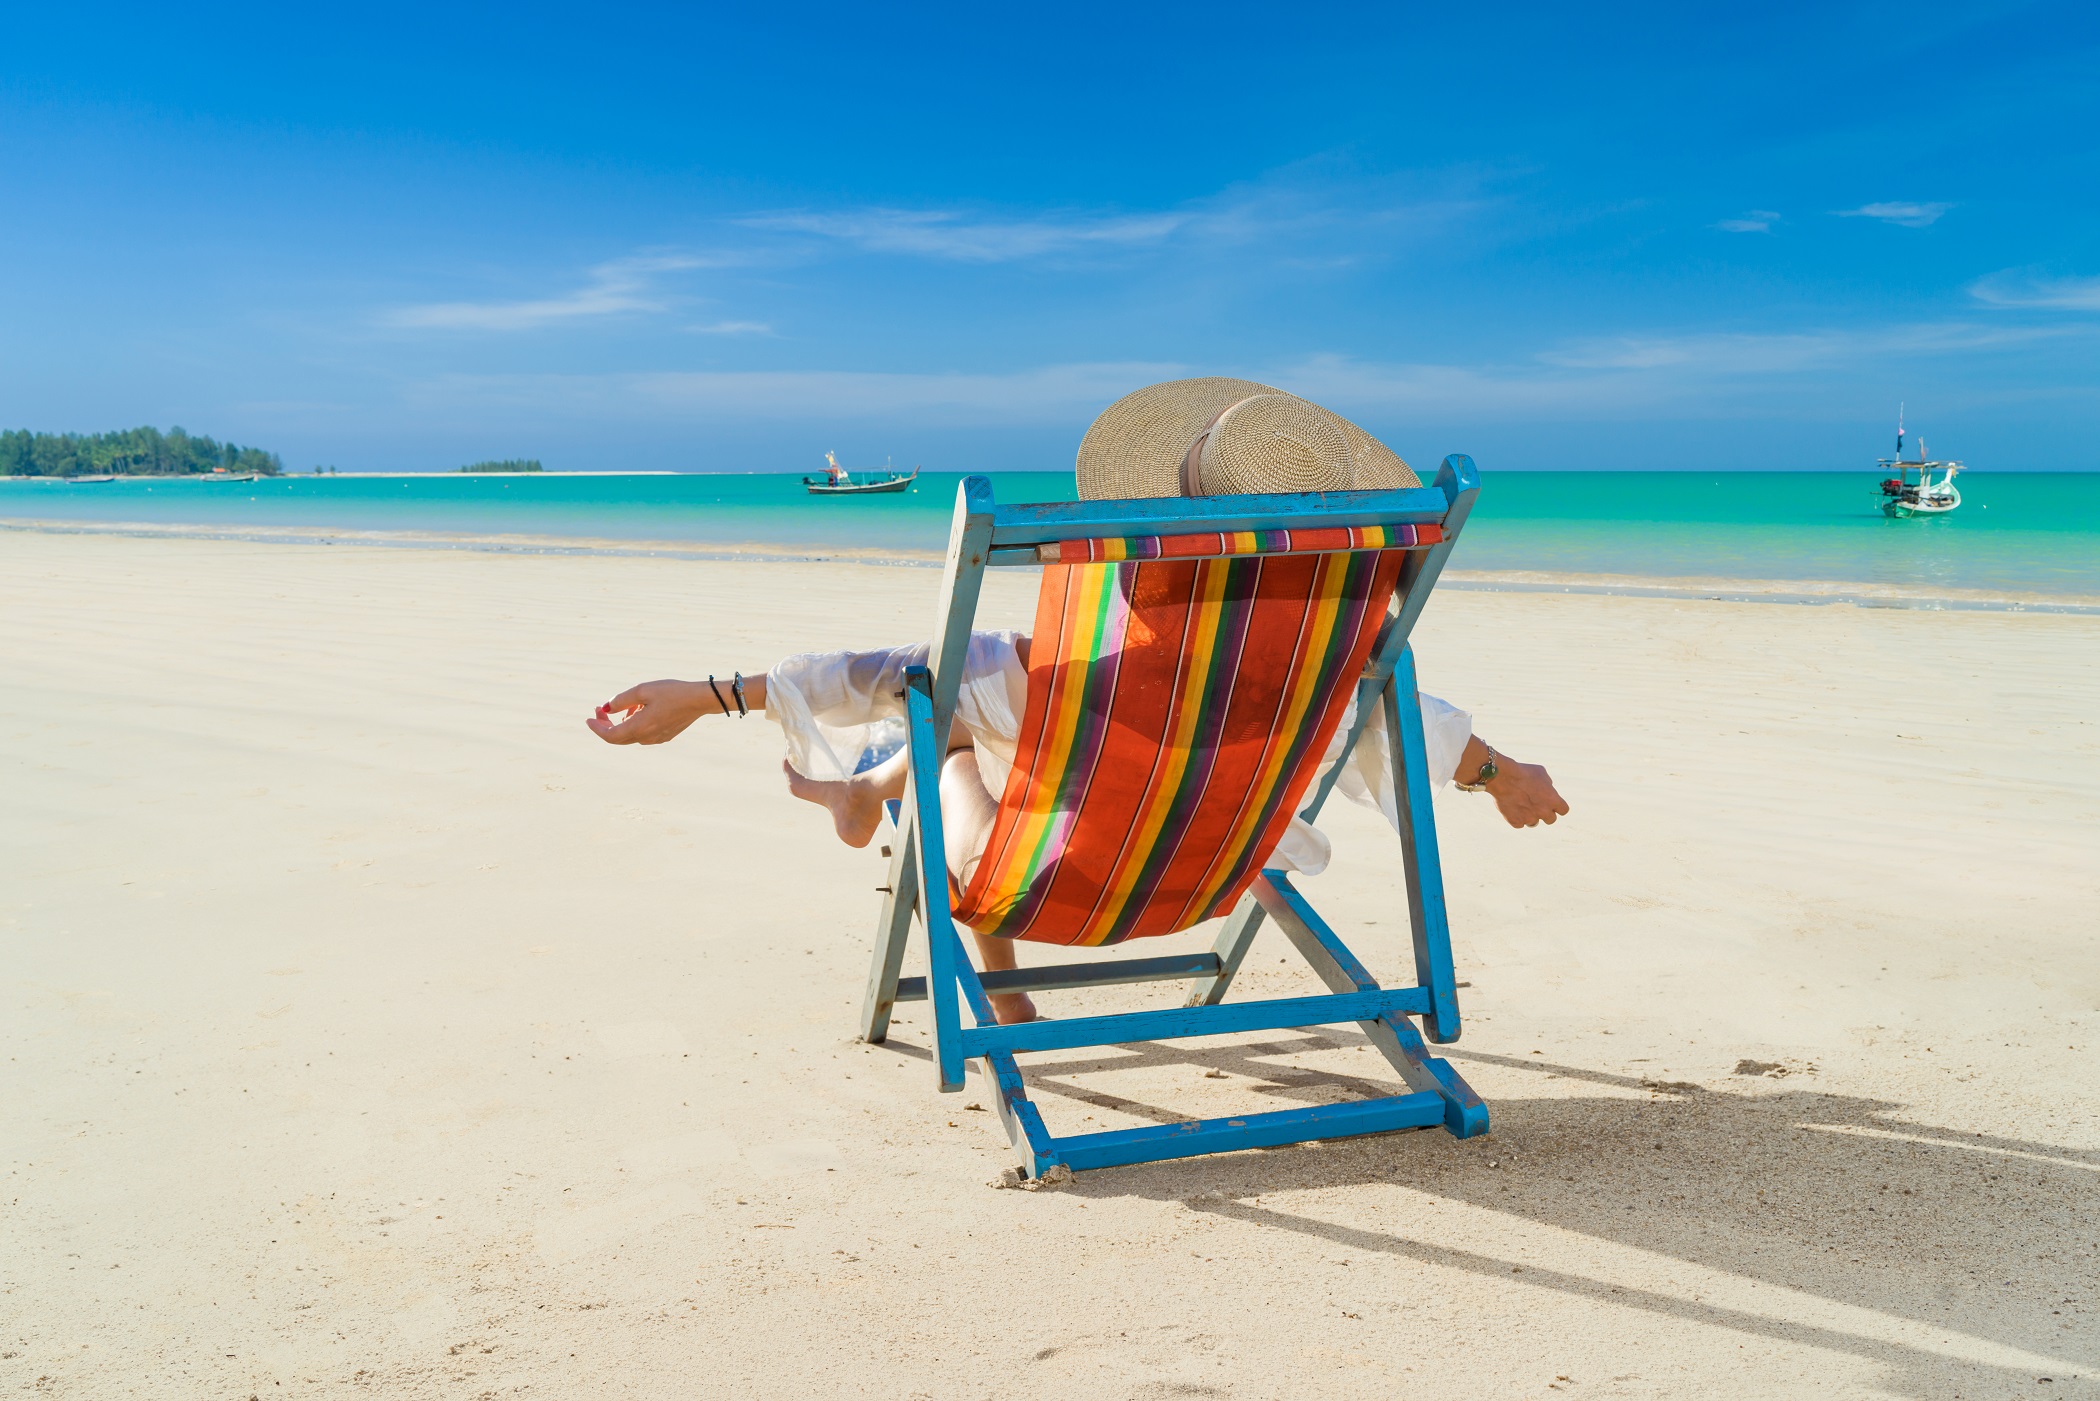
(1173, 1023)
(1117, 1147)
(1080, 975)
(1295, 915)
(1045, 523)
(1222, 544)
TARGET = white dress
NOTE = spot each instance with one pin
(842, 715)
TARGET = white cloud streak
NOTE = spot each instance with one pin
(1288, 210)
(1045, 394)
(1907, 213)
(953, 236)
(1756, 221)
(2016, 289)
(733, 328)
(1726, 353)
(1658, 376)
(621, 287)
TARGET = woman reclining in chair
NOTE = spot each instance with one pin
(842, 712)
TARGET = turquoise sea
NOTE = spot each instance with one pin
(2035, 532)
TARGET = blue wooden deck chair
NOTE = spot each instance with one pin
(1192, 660)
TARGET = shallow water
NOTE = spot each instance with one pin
(2032, 532)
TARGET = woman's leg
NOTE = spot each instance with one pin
(996, 955)
(968, 812)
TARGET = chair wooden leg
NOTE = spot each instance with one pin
(1418, 850)
(1233, 942)
(891, 932)
(1021, 1120)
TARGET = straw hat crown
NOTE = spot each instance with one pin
(1217, 436)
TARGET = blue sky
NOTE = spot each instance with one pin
(722, 238)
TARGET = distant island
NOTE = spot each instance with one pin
(133, 452)
(509, 464)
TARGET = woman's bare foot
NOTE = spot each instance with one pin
(855, 803)
(1011, 1007)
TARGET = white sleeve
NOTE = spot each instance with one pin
(1368, 778)
(842, 713)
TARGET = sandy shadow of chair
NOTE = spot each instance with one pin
(1974, 1236)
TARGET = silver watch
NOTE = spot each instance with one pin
(1486, 775)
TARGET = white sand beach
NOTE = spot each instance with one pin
(371, 1029)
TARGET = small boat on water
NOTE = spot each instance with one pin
(89, 481)
(837, 481)
(225, 477)
(1920, 486)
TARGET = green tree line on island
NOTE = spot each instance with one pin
(508, 464)
(130, 452)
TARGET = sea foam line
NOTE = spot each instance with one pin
(1810, 592)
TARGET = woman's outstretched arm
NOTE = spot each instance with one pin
(656, 711)
(859, 687)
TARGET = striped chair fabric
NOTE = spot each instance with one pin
(1241, 542)
(1177, 712)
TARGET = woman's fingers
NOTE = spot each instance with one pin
(620, 720)
(617, 721)
(627, 699)
(651, 713)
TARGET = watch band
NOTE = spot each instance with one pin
(1487, 773)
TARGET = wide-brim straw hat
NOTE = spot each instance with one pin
(1217, 437)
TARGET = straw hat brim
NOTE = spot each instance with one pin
(1137, 446)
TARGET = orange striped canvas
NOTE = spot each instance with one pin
(1177, 712)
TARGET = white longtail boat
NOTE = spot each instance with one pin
(837, 481)
(1920, 486)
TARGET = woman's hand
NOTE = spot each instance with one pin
(1525, 794)
(654, 711)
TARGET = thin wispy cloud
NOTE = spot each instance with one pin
(2017, 289)
(1756, 221)
(622, 287)
(1305, 221)
(1303, 208)
(958, 237)
(1906, 213)
(1726, 354)
(1043, 394)
(1673, 376)
(1664, 375)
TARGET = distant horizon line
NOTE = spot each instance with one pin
(453, 472)
(1067, 471)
